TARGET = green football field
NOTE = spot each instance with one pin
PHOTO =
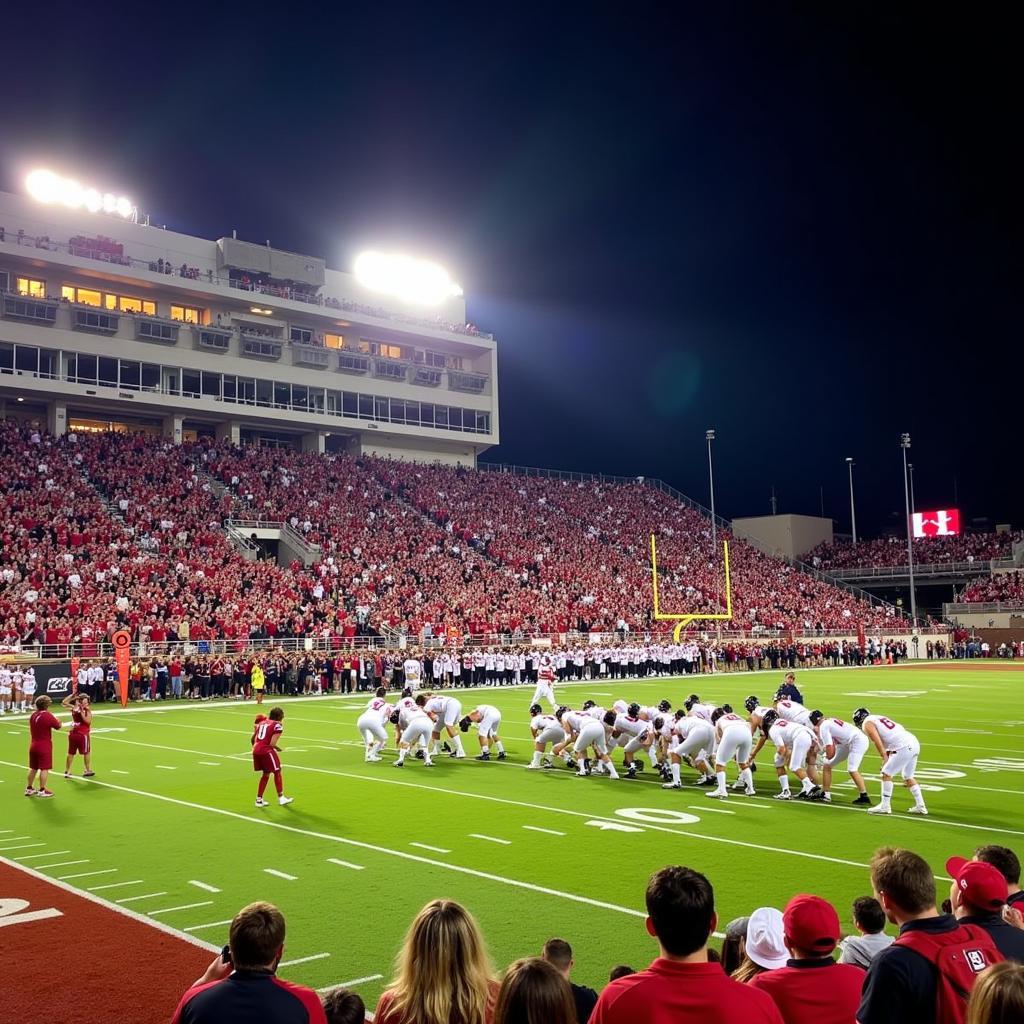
(169, 830)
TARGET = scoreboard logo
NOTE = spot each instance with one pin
(943, 523)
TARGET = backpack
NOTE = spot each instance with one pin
(958, 956)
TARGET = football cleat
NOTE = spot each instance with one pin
(916, 809)
(639, 762)
(879, 809)
(570, 763)
(43, 793)
(534, 767)
(710, 780)
(717, 795)
(398, 764)
(446, 747)
(428, 763)
(815, 793)
(67, 775)
(671, 785)
(483, 757)
(738, 785)
(285, 800)
(88, 775)
(804, 794)
(785, 795)
(631, 772)
(502, 756)
(30, 792)
(750, 791)
(419, 755)
(260, 802)
(863, 798)
(582, 774)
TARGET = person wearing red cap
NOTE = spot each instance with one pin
(682, 984)
(812, 988)
(978, 895)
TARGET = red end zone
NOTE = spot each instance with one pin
(83, 961)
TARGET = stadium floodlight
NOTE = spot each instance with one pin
(47, 187)
(853, 511)
(412, 280)
(905, 445)
(709, 436)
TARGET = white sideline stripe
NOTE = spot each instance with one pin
(351, 983)
(348, 864)
(490, 839)
(36, 856)
(166, 767)
(211, 924)
(278, 874)
(304, 959)
(115, 771)
(21, 846)
(124, 911)
(114, 885)
(183, 906)
(710, 810)
(86, 874)
(59, 864)
(147, 896)
(203, 885)
(432, 849)
(547, 831)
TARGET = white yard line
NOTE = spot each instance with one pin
(209, 924)
(710, 810)
(115, 771)
(547, 831)
(203, 885)
(21, 846)
(351, 983)
(114, 885)
(36, 856)
(14, 839)
(432, 849)
(147, 896)
(166, 767)
(490, 839)
(59, 864)
(183, 906)
(280, 874)
(347, 864)
(100, 901)
(211, 764)
(86, 874)
(304, 959)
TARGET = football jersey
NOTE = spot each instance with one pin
(379, 707)
(724, 721)
(573, 720)
(542, 722)
(835, 730)
(437, 705)
(783, 734)
(631, 726)
(793, 712)
(264, 733)
(703, 711)
(595, 712)
(488, 711)
(892, 734)
(411, 668)
(688, 724)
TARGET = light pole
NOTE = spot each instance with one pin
(913, 506)
(853, 513)
(905, 445)
(710, 436)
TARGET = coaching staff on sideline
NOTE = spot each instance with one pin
(246, 988)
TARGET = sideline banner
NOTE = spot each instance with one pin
(55, 679)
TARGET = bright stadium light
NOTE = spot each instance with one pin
(46, 187)
(411, 280)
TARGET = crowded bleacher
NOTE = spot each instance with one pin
(886, 552)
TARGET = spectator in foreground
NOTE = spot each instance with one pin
(998, 996)
(558, 953)
(442, 973)
(534, 991)
(765, 947)
(812, 988)
(734, 944)
(342, 1006)
(978, 895)
(680, 984)
(869, 920)
(903, 981)
(621, 971)
(1006, 862)
(245, 987)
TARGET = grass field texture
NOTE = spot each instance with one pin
(168, 827)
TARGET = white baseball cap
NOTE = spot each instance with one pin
(766, 944)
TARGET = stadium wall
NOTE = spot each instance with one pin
(789, 535)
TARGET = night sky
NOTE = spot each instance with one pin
(797, 224)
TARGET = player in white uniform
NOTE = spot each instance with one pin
(488, 722)
(412, 670)
(371, 724)
(639, 734)
(595, 730)
(544, 729)
(448, 711)
(899, 750)
(793, 711)
(5, 690)
(418, 727)
(692, 738)
(794, 743)
(545, 681)
(733, 741)
(18, 689)
(841, 741)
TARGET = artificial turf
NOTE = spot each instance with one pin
(532, 854)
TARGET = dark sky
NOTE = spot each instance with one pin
(799, 224)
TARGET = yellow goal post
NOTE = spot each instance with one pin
(683, 620)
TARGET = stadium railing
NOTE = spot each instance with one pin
(981, 608)
(979, 566)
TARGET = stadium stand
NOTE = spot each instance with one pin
(883, 552)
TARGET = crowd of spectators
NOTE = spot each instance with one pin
(101, 531)
(774, 967)
(891, 552)
(1000, 586)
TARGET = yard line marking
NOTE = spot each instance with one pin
(304, 959)
(352, 982)
(183, 906)
(3, 830)
(36, 856)
(114, 885)
(166, 767)
(347, 864)
(211, 764)
(710, 810)
(548, 831)
(147, 896)
(22, 846)
(14, 839)
(59, 864)
(490, 839)
(433, 849)
(124, 911)
(211, 924)
(280, 874)
(115, 771)
(203, 885)
(86, 874)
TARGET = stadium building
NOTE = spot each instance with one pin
(110, 324)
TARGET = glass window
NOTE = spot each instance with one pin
(48, 363)
(187, 314)
(151, 376)
(26, 358)
(300, 396)
(127, 304)
(397, 410)
(31, 286)
(7, 358)
(350, 403)
(130, 374)
(412, 413)
(301, 335)
(366, 406)
(380, 407)
(86, 296)
(264, 392)
(190, 383)
(247, 390)
(440, 416)
(229, 387)
(84, 369)
(211, 384)
(282, 395)
(316, 399)
(108, 371)
(334, 341)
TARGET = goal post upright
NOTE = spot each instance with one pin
(684, 619)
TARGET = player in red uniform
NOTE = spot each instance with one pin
(79, 740)
(40, 750)
(265, 754)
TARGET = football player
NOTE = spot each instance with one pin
(544, 729)
(794, 743)
(692, 739)
(371, 724)
(545, 682)
(899, 751)
(488, 722)
(841, 741)
(733, 741)
(448, 711)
